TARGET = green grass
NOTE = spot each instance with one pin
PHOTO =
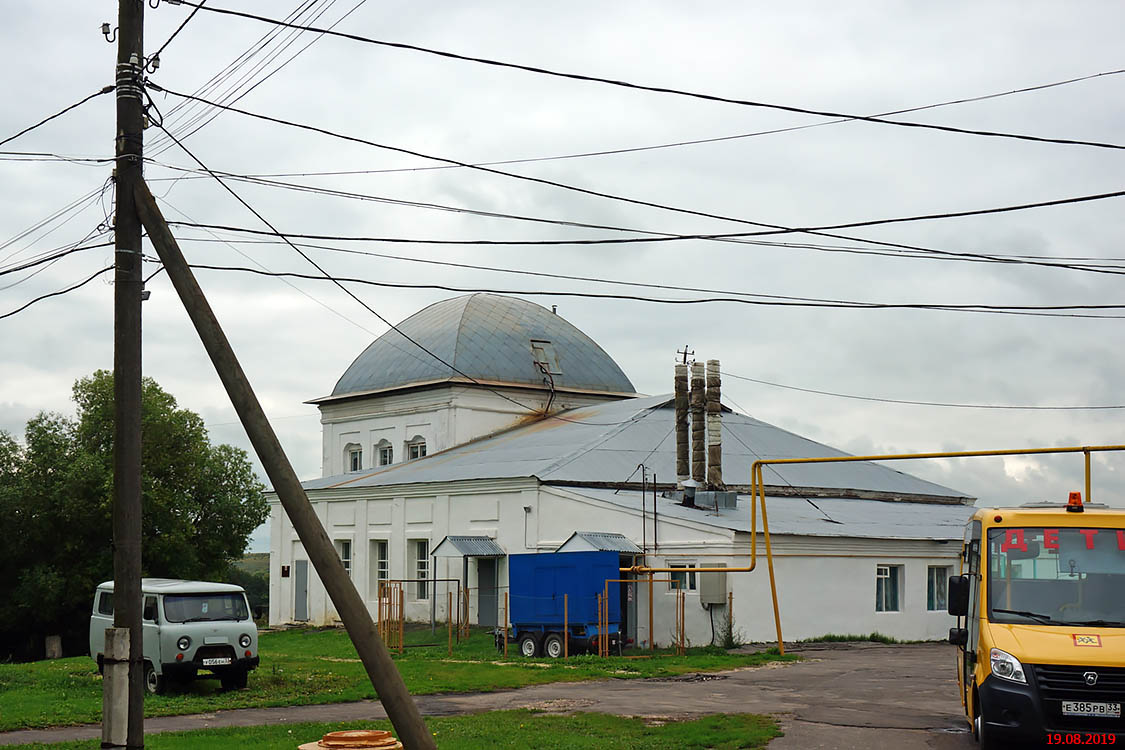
(498, 730)
(875, 637)
(301, 667)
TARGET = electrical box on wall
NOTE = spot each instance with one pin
(713, 586)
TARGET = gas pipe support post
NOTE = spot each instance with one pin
(505, 624)
(566, 626)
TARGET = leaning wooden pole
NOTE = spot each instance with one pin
(401, 710)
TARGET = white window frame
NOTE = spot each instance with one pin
(937, 581)
(386, 453)
(353, 458)
(380, 565)
(888, 578)
(344, 550)
(415, 448)
(688, 577)
(420, 551)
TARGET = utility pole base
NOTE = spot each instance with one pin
(115, 688)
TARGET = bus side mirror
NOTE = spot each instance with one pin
(958, 596)
(958, 636)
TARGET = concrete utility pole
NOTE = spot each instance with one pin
(401, 710)
(127, 370)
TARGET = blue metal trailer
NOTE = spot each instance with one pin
(537, 585)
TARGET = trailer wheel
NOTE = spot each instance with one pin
(529, 645)
(553, 645)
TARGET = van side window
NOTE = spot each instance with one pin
(149, 612)
(105, 603)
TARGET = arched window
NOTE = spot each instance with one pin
(416, 447)
(353, 457)
(385, 453)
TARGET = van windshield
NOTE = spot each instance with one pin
(1057, 576)
(205, 607)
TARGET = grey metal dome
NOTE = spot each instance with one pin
(490, 338)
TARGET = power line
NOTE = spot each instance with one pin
(544, 274)
(246, 82)
(290, 284)
(693, 142)
(680, 237)
(58, 293)
(659, 89)
(325, 275)
(573, 188)
(56, 255)
(892, 251)
(924, 403)
(40, 156)
(1040, 310)
(60, 113)
(178, 29)
(1112, 270)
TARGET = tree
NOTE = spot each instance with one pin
(200, 504)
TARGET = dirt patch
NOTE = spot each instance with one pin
(559, 705)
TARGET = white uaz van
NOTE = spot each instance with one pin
(188, 626)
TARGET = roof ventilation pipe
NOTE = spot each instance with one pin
(683, 467)
(698, 429)
(714, 428)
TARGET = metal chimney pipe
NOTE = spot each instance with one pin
(683, 468)
(698, 429)
(714, 428)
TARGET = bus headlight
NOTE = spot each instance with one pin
(1006, 666)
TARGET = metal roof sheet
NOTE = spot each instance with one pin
(841, 517)
(486, 337)
(468, 546)
(604, 443)
(604, 541)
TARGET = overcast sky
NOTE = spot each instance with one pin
(296, 339)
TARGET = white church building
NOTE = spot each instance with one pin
(518, 434)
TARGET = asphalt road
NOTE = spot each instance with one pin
(869, 696)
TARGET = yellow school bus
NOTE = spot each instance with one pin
(1040, 607)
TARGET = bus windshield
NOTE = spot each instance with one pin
(1057, 576)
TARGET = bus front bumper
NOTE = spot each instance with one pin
(1015, 712)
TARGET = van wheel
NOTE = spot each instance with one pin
(235, 680)
(529, 645)
(154, 683)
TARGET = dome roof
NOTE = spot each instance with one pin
(490, 338)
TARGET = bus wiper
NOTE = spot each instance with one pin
(1100, 623)
(1045, 619)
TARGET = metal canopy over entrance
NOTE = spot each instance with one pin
(601, 541)
(468, 546)
(486, 551)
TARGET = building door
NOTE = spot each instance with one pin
(486, 598)
(300, 590)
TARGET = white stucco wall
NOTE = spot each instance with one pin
(825, 584)
(444, 415)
